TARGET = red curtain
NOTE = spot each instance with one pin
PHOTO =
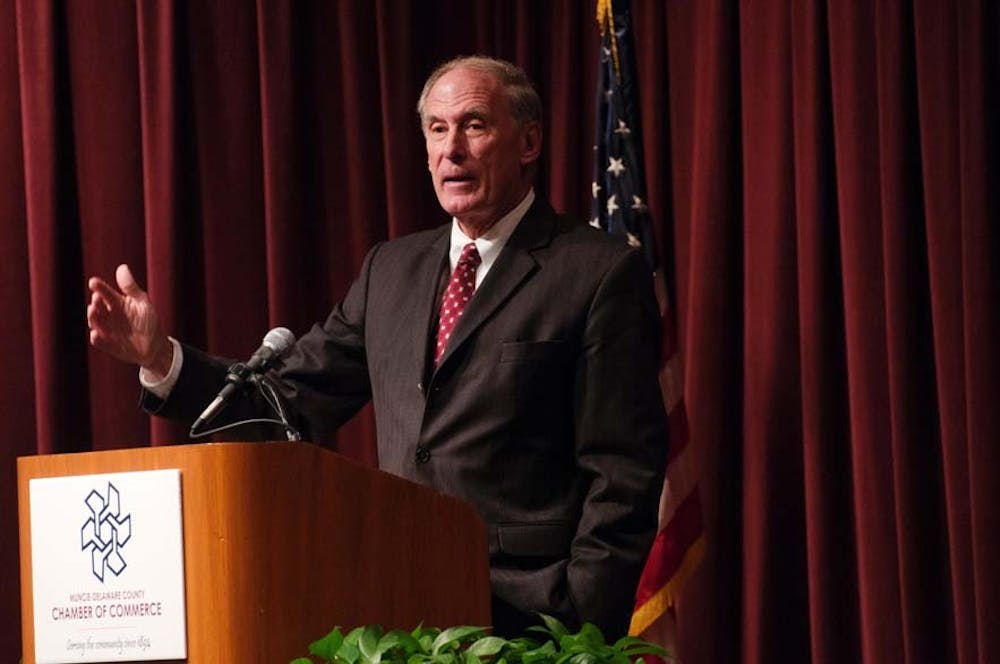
(822, 178)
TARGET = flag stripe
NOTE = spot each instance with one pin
(678, 432)
(680, 481)
(670, 546)
(657, 605)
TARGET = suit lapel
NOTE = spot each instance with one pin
(428, 276)
(514, 264)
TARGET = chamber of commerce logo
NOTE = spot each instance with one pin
(105, 532)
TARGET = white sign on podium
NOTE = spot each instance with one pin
(107, 561)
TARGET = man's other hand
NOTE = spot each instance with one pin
(124, 324)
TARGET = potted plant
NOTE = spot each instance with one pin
(474, 645)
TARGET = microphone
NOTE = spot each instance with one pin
(276, 343)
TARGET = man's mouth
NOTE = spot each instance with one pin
(457, 179)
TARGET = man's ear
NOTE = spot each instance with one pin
(531, 142)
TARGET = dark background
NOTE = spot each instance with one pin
(822, 178)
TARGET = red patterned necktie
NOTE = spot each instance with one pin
(456, 296)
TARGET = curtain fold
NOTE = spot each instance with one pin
(972, 455)
(710, 310)
(773, 548)
(822, 184)
(830, 535)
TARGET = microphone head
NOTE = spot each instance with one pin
(279, 340)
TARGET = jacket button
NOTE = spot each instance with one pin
(420, 386)
(423, 454)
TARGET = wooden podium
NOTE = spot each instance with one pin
(283, 541)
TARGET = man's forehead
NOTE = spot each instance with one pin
(464, 84)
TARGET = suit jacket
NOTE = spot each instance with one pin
(544, 413)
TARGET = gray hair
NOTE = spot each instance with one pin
(522, 98)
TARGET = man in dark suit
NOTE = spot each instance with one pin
(511, 357)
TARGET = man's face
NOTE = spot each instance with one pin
(476, 151)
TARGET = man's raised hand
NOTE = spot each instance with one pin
(124, 324)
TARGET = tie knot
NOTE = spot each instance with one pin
(470, 256)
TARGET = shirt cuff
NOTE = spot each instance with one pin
(161, 387)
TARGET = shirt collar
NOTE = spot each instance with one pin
(490, 243)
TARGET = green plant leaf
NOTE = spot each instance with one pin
(327, 646)
(453, 636)
(545, 653)
(348, 653)
(420, 631)
(553, 626)
(368, 644)
(487, 646)
(646, 649)
(398, 639)
(584, 658)
(301, 660)
(523, 643)
(631, 646)
(591, 635)
(571, 644)
(615, 657)
(425, 637)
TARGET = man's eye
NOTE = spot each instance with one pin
(438, 129)
(476, 126)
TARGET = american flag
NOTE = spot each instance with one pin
(619, 206)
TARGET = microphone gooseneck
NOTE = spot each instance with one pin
(276, 343)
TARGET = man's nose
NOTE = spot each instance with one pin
(455, 147)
